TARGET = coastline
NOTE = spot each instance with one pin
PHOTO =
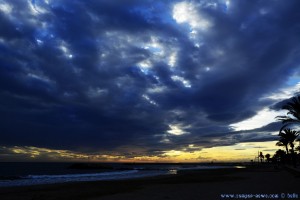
(28, 174)
(194, 184)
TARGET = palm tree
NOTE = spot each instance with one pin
(293, 115)
(289, 136)
(283, 142)
(298, 147)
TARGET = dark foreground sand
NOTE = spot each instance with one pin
(194, 185)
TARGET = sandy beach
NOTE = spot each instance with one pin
(202, 184)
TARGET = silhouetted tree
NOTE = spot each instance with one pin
(268, 157)
(279, 156)
(283, 142)
(293, 115)
(288, 135)
(298, 147)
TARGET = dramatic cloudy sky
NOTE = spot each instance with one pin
(119, 80)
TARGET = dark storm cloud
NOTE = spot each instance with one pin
(114, 75)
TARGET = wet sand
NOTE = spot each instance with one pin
(198, 185)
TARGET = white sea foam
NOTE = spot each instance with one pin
(136, 172)
(52, 179)
(75, 176)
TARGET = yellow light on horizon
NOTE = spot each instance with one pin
(240, 152)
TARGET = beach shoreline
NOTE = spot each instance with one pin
(195, 184)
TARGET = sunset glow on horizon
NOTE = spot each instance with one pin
(242, 152)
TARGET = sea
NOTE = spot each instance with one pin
(14, 174)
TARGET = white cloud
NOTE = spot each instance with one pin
(145, 64)
(160, 52)
(66, 51)
(227, 3)
(263, 11)
(36, 9)
(40, 77)
(284, 93)
(154, 46)
(185, 12)
(96, 92)
(172, 59)
(177, 129)
(157, 89)
(149, 100)
(6, 8)
(165, 140)
(262, 118)
(180, 79)
(190, 13)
